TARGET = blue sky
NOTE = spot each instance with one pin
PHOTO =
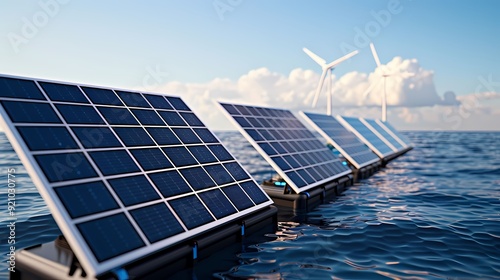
(114, 43)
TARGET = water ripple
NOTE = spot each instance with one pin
(432, 214)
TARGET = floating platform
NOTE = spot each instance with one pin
(366, 171)
(55, 260)
(194, 198)
(394, 156)
(308, 200)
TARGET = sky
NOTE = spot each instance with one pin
(250, 52)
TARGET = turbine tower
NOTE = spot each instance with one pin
(326, 69)
(385, 73)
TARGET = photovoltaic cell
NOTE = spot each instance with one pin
(29, 112)
(157, 222)
(255, 135)
(186, 135)
(133, 190)
(170, 183)
(87, 198)
(117, 115)
(268, 149)
(202, 154)
(191, 119)
(220, 152)
(238, 197)
(110, 236)
(191, 211)
(133, 99)
(287, 145)
(67, 93)
(102, 96)
(66, 166)
(158, 102)
(198, 178)
(19, 88)
(114, 162)
(47, 138)
(348, 144)
(231, 109)
(178, 103)
(96, 137)
(133, 136)
(74, 114)
(151, 159)
(163, 135)
(218, 203)
(172, 118)
(236, 171)
(180, 156)
(129, 173)
(147, 117)
(205, 135)
(254, 192)
(219, 174)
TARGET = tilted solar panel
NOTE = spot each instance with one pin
(355, 151)
(123, 173)
(395, 133)
(289, 147)
(365, 134)
(384, 134)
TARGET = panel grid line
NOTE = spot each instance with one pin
(357, 153)
(277, 134)
(366, 135)
(140, 167)
(96, 169)
(119, 154)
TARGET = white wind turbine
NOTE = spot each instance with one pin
(327, 69)
(385, 73)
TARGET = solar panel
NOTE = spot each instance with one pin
(289, 147)
(395, 133)
(384, 134)
(124, 173)
(355, 151)
(365, 134)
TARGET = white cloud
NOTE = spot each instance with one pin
(413, 101)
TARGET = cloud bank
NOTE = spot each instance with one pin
(414, 102)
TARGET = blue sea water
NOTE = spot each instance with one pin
(433, 213)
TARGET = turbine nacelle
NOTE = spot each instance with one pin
(385, 73)
(326, 69)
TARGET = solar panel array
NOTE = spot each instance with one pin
(365, 134)
(294, 152)
(395, 133)
(123, 173)
(385, 135)
(358, 154)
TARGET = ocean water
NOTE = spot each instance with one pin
(433, 213)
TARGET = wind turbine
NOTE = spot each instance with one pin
(327, 69)
(385, 73)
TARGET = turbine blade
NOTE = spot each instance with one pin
(369, 89)
(342, 59)
(314, 57)
(375, 55)
(320, 85)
